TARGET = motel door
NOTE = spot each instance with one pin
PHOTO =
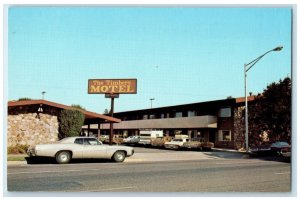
(212, 135)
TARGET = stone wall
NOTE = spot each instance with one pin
(239, 128)
(30, 128)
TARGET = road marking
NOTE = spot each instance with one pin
(233, 162)
(282, 173)
(118, 188)
(101, 190)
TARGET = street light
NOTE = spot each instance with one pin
(43, 93)
(151, 99)
(247, 67)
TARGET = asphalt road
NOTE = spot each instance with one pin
(205, 175)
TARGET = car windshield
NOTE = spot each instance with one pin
(281, 143)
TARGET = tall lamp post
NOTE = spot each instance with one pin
(151, 99)
(43, 93)
(247, 67)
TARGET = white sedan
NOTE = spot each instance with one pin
(80, 148)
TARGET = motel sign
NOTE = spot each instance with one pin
(112, 86)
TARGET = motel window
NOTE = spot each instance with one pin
(224, 135)
(178, 114)
(191, 113)
(178, 132)
(225, 112)
(145, 116)
(162, 116)
(152, 116)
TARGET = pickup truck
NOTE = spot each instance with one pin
(160, 142)
(176, 143)
(185, 143)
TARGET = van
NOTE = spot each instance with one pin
(146, 136)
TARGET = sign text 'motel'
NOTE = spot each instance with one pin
(112, 86)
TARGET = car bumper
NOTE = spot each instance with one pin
(130, 154)
(171, 146)
(31, 152)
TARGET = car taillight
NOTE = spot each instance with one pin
(285, 149)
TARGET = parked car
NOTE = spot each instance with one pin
(132, 140)
(103, 137)
(80, 148)
(160, 141)
(286, 152)
(263, 148)
(278, 146)
(177, 142)
(115, 140)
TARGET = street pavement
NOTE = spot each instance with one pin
(158, 155)
(202, 176)
(155, 170)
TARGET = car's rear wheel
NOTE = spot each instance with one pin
(63, 157)
(119, 156)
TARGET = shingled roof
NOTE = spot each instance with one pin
(88, 115)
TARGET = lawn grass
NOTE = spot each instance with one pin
(16, 158)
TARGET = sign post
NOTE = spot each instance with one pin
(111, 135)
(112, 88)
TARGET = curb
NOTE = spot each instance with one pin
(229, 150)
(16, 162)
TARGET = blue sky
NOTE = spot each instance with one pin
(178, 55)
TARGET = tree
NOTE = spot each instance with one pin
(24, 99)
(76, 106)
(271, 113)
(106, 111)
(70, 123)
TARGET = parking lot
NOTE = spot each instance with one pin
(148, 154)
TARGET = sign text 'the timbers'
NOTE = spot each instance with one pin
(112, 86)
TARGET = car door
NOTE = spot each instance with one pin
(77, 148)
(92, 148)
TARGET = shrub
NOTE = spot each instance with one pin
(24, 99)
(70, 123)
(78, 107)
(18, 149)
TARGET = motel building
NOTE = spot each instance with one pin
(219, 121)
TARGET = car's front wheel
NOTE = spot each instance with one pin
(63, 157)
(119, 156)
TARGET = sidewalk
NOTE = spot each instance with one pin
(228, 150)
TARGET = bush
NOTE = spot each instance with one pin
(24, 99)
(18, 149)
(70, 123)
(78, 107)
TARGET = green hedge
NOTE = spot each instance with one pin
(70, 123)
